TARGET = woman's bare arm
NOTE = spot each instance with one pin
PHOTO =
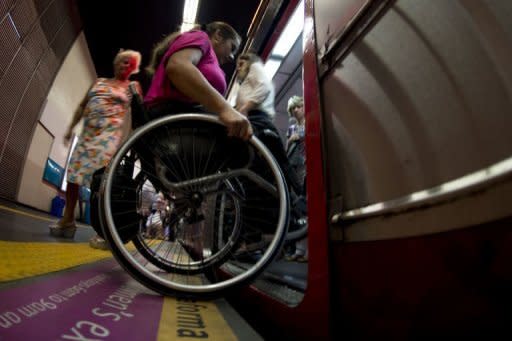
(184, 75)
(77, 116)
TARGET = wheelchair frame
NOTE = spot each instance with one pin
(164, 283)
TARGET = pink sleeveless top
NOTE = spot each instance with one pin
(161, 90)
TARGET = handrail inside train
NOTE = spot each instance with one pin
(447, 191)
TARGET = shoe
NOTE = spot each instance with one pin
(297, 258)
(97, 242)
(292, 258)
(66, 231)
(302, 259)
(244, 247)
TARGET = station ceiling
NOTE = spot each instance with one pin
(135, 24)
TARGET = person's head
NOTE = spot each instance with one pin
(296, 108)
(225, 40)
(126, 63)
(243, 64)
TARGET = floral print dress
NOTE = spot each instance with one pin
(102, 133)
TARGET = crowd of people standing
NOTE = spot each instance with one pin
(186, 74)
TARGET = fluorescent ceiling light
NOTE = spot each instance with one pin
(186, 27)
(271, 67)
(291, 32)
(189, 14)
(288, 37)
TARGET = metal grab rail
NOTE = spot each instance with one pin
(208, 179)
(448, 191)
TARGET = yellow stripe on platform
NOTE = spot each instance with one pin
(25, 259)
(189, 319)
(36, 216)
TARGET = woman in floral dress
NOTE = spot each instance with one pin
(103, 110)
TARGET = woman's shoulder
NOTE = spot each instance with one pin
(195, 34)
(193, 38)
(257, 71)
(101, 81)
(97, 84)
(258, 66)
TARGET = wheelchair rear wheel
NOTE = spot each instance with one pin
(218, 198)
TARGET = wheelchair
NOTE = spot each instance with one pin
(220, 195)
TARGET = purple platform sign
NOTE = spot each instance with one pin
(99, 302)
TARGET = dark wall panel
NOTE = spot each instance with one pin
(35, 37)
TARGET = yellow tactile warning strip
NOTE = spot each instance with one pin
(25, 259)
(185, 318)
(189, 319)
(36, 216)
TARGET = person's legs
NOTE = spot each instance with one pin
(302, 248)
(66, 226)
(266, 131)
(301, 251)
(69, 211)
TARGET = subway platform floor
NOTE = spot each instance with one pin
(61, 289)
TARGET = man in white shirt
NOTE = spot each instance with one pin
(256, 91)
(255, 99)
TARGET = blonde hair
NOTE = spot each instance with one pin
(131, 54)
(225, 30)
(294, 102)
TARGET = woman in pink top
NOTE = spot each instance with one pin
(186, 73)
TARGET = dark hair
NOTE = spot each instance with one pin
(225, 31)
